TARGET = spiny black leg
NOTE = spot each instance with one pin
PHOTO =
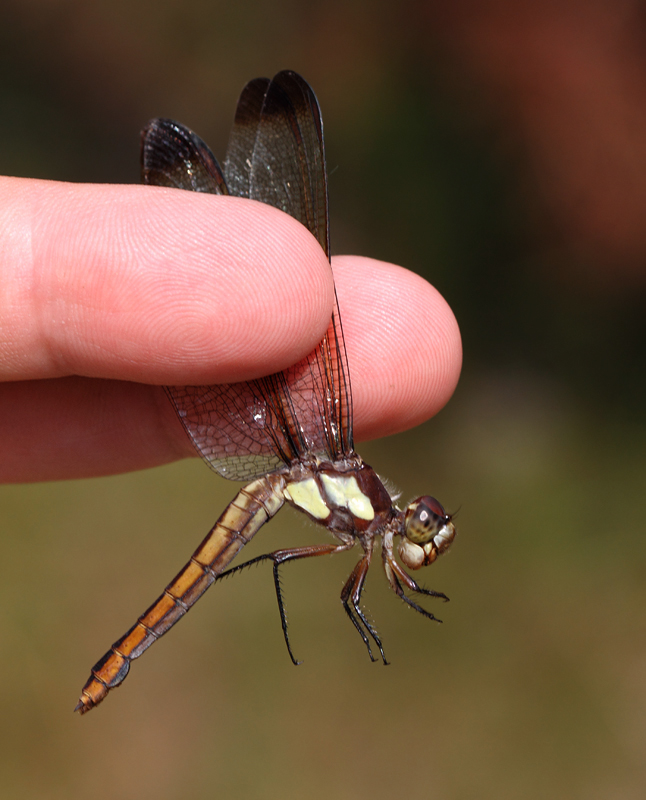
(279, 557)
(413, 586)
(239, 567)
(357, 589)
(372, 632)
(357, 625)
(421, 610)
(274, 557)
(431, 593)
(279, 595)
(283, 615)
(351, 598)
(410, 583)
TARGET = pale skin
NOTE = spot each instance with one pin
(109, 291)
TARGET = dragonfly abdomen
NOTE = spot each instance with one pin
(239, 522)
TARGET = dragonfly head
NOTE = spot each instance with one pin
(428, 532)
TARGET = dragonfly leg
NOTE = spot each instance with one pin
(351, 599)
(396, 575)
(279, 557)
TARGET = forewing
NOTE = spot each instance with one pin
(237, 164)
(276, 156)
(288, 172)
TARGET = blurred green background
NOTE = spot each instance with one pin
(499, 149)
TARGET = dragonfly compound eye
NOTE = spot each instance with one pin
(428, 533)
(424, 519)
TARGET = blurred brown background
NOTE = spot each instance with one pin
(498, 148)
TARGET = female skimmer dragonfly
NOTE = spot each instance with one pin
(289, 433)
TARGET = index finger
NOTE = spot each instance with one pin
(153, 285)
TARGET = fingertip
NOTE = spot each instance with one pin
(403, 341)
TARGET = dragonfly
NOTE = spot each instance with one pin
(289, 434)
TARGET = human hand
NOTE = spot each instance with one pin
(109, 291)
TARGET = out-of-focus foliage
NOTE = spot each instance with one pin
(489, 146)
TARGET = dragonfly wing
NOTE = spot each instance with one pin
(276, 156)
(172, 155)
(288, 172)
(237, 164)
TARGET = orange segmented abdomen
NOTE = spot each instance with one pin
(239, 522)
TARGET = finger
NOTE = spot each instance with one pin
(153, 285)
(404, 354)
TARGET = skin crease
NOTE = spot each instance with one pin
(108, 290)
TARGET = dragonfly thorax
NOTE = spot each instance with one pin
(346, 497)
